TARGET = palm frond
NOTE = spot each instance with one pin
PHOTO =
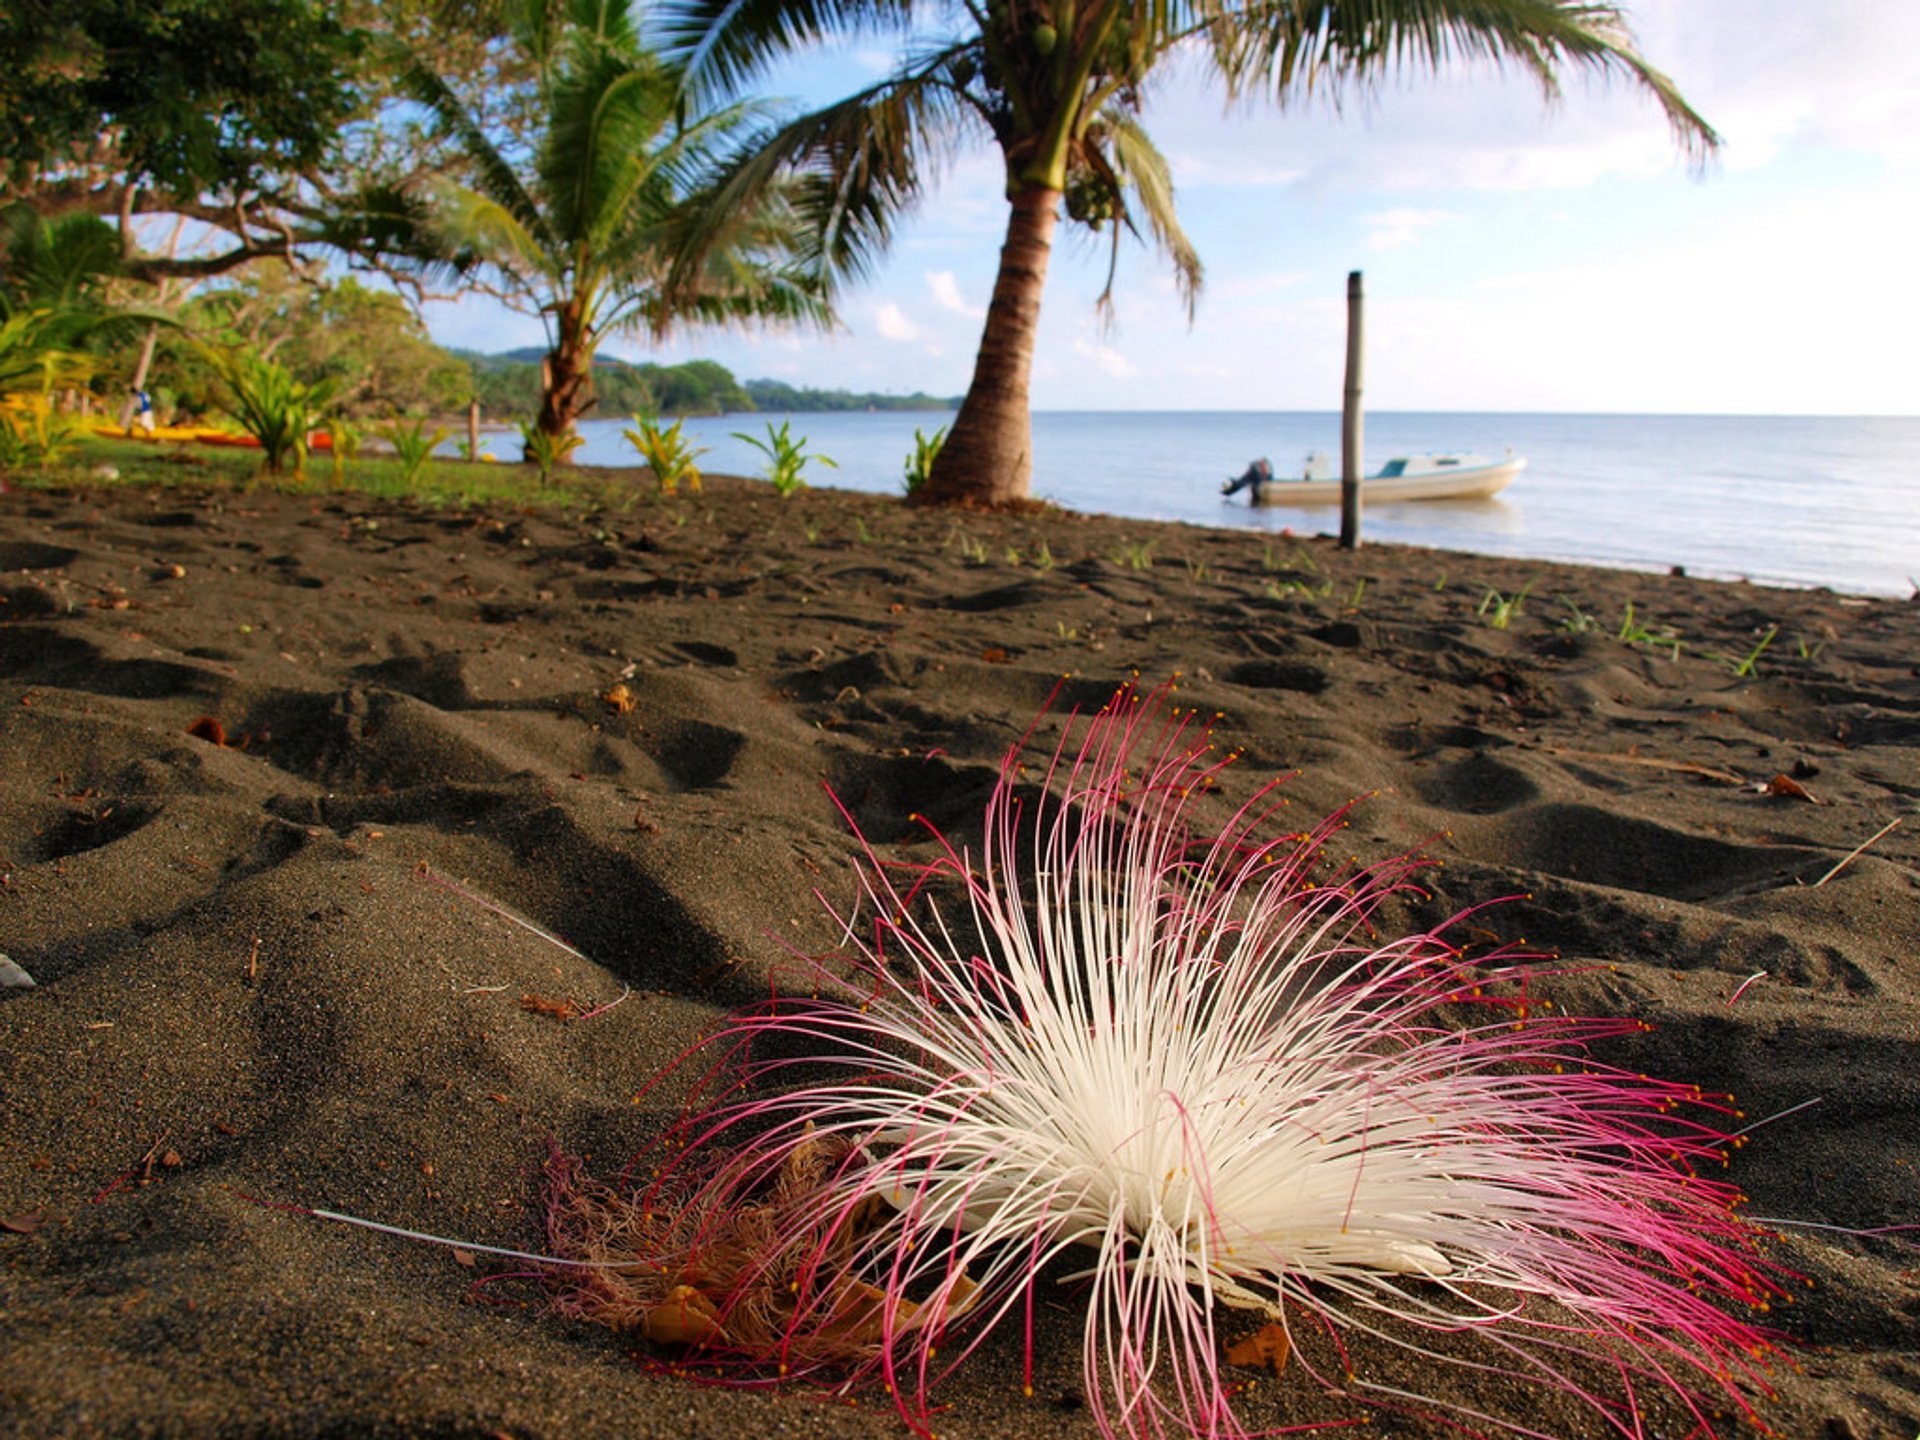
(37, 354)
(50, 264)
(847, 171)
(726, 44)
(1143, 171)
(495, 175)
(480, 226)
(1292, 46)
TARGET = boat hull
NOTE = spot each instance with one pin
(1470, 482)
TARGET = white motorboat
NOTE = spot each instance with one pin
(1405, 477)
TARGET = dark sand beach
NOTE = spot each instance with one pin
(249, 988)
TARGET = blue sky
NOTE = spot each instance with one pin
(1518, 256)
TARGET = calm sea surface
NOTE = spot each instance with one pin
(1787, 500)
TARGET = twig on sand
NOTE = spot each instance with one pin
(444, 1241)
(1858, 850)
(425, 872)
(1684, 767)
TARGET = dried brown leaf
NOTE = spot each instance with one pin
(1267, 1348)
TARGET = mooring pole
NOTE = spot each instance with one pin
(473, 428)
(1350, 422)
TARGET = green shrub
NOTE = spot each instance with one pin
(272, 405)
(786, 458)
(926, 448)
(415, 446)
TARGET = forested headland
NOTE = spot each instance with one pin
(509, 384)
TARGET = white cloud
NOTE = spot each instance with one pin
(946, 294)
(1402, 226)
(1106, 359)
(892, 323)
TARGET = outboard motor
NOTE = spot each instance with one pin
(1258, 474)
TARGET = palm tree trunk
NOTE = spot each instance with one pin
(987, 459)
(566, 377)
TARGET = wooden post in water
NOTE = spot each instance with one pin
(473, 428)
(1351, 458)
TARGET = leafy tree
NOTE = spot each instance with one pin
(376, 352)
(371, 352)
(588, 224)
(697, 387)
(275, 125)
(188, 94)
(1058, 87)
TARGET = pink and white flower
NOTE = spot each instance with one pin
(1181, 1061)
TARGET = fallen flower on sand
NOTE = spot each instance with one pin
(1182, 1055)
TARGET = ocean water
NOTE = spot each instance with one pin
(1780, 499)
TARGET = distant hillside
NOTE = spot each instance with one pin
(508, 383)
(777, 395)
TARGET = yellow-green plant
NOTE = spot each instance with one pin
(35, 360)
(667, 452)
(415, 446)
(546, 450)
(345, 439)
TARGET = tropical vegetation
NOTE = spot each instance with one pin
(592, 223)
(619, 179)
(1058, 87)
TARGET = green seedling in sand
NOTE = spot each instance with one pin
(862, 534)
(1359, 593)
(668, 453)
(1043, 557)
(1293, 585)
(787, 459)
(413, 445)
(1810, 650)
(926, 448)
(1635, 633)
(1578, 622)
(1499, 610)
(1133, 554)
(972, 550)
(1196, 570)
(1745, 668)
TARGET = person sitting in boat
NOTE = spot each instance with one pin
(1259, 475)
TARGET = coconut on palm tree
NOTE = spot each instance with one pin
(1058, 86)
(588, 223)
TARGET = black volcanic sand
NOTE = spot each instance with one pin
(247, 989)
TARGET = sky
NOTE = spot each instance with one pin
(1517, 255)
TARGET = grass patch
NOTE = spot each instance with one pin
(109, 460)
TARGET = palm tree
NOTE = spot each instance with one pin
(1057, 86)
(587, 222)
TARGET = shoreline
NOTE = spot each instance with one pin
(247, 990)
